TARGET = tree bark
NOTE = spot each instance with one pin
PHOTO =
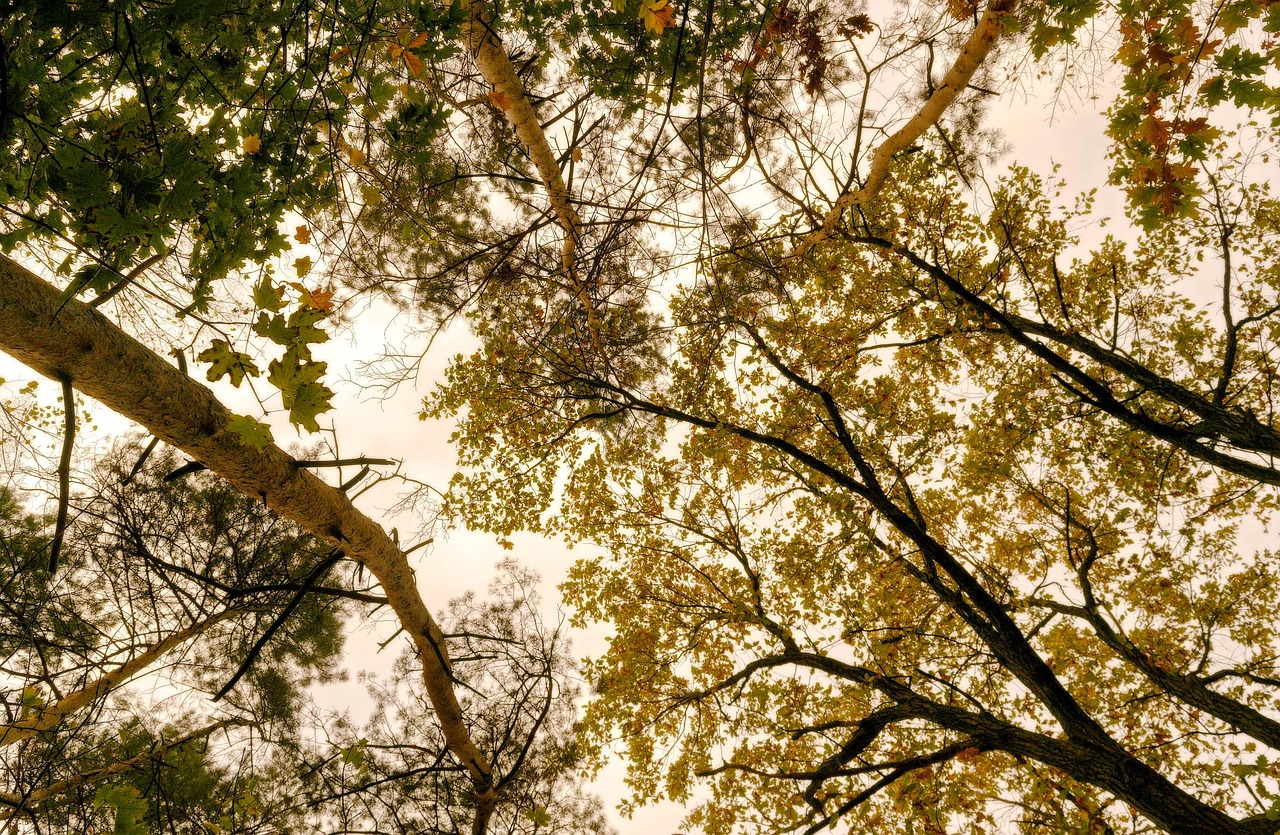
(972, 54)
(79, 344)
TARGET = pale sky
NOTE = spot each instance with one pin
(389, 427)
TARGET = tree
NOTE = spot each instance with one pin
(932, 516)
(163, 679)
(917, 509)
(187, 584)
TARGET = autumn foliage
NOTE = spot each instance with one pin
(915, 491)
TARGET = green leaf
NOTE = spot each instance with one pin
(538, 815)
(297, 332)
(302, 393)
(90, 276)
(223, 361)
(31, 699)
(354, 755)
(274, 328)
(129, 805)
(303, 324)
(310, 400)
(251, 432)
(267, 296)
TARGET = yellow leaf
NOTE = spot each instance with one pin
(302, 234)
(577, 155)
(370, 195)
(303, 265)
(355, 155)
(251, 144)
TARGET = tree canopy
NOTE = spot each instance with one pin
(917, 494)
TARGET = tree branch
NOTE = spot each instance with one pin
(49, 716)
(31, 799)
(972, 54)
(64, 473)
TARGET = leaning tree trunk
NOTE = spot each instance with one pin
(77, 344)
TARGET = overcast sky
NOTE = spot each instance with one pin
(1040, 132)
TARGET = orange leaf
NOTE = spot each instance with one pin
(418, 41)
(577, 155)
(657, 15)
(302, 234)
(414, 63)
(317, 299)
(499, 100)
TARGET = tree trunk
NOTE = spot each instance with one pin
(78, 344)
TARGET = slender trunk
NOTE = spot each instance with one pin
(971, 57)
(50, 716)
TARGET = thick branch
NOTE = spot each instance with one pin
(50, 716)
(1234, 426)
(972, 54)
(1099, 763)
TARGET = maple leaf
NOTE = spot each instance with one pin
(223, 361)
(251, 432)
(303, 266)
(309, 400)
(300, 390)
(317, 299)
(657, 16)
(414, 63)
(267, 296)
(298, 331)
(855, 25)
(302, 234)
(251, 144)
(499, 100)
